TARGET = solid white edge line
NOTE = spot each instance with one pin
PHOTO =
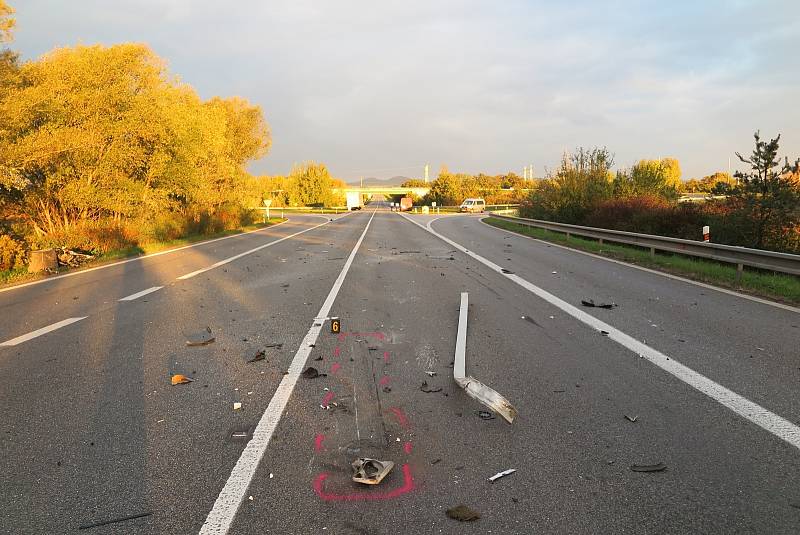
(39, 332)
(775, 304)
(460, 361)
(137, 295)
(222, 515)
(136, 259)
(777, 425)
(251, 251)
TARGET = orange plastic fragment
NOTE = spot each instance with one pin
(179, 379)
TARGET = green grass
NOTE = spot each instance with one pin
(17, 276)
(776, 286)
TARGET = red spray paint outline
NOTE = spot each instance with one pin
(408, 486)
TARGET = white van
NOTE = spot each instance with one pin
(472, 205)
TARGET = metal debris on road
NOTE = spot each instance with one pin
(428, 389)
(431, 374)
(370, 471)
(462, 513)
(474, 388)
(179, 379)
(504, 473)
(200, 338)
(630, 418)
(114, 521)
(659, 467)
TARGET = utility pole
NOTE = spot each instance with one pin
(426, 173)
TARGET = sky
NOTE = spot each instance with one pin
(380, 88)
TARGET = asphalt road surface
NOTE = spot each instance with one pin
(92, 431)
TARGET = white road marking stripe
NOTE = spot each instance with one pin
(777, 425)
(720, 289)
(39, 332)
(221, 517)
(104, 266)
(137, 295)
(251, 251)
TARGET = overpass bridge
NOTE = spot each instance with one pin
(384, 190)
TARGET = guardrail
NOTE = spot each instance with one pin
(741, 256)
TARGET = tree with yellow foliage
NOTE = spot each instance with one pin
(7, 22)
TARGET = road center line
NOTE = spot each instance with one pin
(777, 425)
(137, 295)
(39, 332)
(221, 517)
(251, 251)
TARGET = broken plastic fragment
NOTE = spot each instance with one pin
(504, 473)
(659, 467)
(462, 513)
(431, 374)
(200, 338)
(237, 405)
(311, 373)
(428, 389)
(630, 418)
(485, 415)
(259, 354)
(179, 379)
(507, 271)
(370, 471)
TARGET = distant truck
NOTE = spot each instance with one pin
(353, 200)
(406, 203)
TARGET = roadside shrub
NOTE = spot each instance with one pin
(95, 236)
(13, 254)
(648, 215)
(165, 226)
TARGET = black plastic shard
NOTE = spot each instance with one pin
(428, 389)
(508, 271)
(462, 513)
(485, 415)
(591, 303)
(659, 467)
(311, 373)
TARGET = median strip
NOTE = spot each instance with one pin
(221, 517)
(39, 332)
(775, 424)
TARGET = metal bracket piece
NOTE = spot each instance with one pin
(474, 388)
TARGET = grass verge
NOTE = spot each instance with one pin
(776, 286)
(17, 276)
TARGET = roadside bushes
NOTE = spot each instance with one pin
(648, 215)
(12, 253)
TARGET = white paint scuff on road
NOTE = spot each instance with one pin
(221, 517)
(137, 295)
(474, 388)
(39, 332)
(251, 251)
(775, 424)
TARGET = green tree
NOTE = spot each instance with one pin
(414, 183)
(649, 177)
(767, 198)
(311, 184)
(581, 182)
(445, 190)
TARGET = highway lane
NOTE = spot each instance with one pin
(572, 445)
(161, 449)
(31, 307)
(92, 430)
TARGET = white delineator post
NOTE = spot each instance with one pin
(474, 388)
(706, 234)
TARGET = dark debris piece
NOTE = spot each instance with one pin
(200, 338)
(311, 373)
(508, 271)
(114, 521)
(659, 467)
(485, 415)
(591, 303)
(257, 355)
(462, 513)
(428, 389)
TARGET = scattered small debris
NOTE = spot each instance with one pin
(555, 272)
(311, 373)
(431, 374)
(436, 461)
(604, 333)
(114, 521)
(591, 303)
(507, 271)
(318, 358)
(387, 389)
(237, 405)
(462, 513)
(559, 391)
(200, 338)
(630, 418)
(179, 379)
(276, 345)
(504, 473)
(255, 356)
(428, 389)
(659, 467)
(485, 415)
(530, 320)
(370, 471)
